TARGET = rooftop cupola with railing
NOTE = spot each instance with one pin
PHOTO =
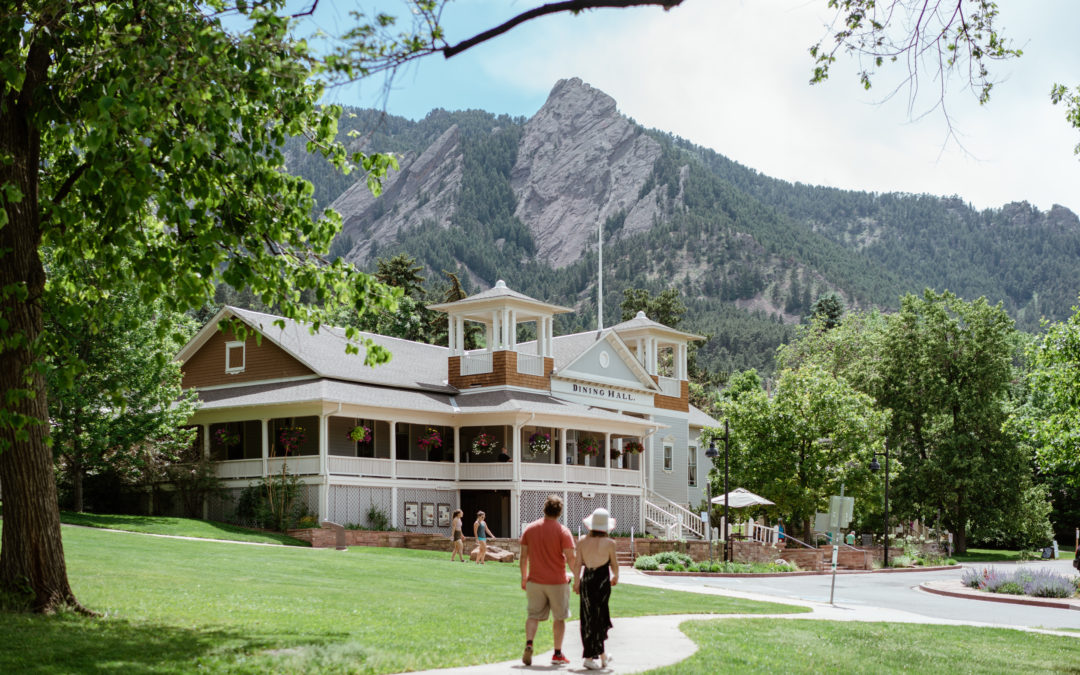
(498, 360)
(662, 352)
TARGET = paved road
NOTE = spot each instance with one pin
(896, 591)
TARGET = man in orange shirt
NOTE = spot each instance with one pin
(547, 549)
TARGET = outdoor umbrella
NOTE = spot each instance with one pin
(741, 497)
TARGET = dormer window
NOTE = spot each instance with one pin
(234, 357)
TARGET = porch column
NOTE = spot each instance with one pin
(394, 522)
(457, 454)
(265, 424)
(324, 469)
(515, 453)
(562, 452)
(206, 456)
(459, 335)
(496, 331)
(511, 328)
(515, 514)
(607, 449)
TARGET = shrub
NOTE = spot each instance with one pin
(674, 567)
(646, 562)
(1008, 587)
(673, 558)
(1040, 583)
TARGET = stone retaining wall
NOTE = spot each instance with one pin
(742, 551)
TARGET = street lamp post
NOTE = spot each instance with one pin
(874, 467)
(712, 453)
(727, 491)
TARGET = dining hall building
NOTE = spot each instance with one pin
(602, 418)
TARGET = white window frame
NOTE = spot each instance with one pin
(669, 457)
(691, 466)
(230, 368)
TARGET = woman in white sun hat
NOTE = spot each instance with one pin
(599, 571)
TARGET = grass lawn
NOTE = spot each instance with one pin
(786, 646)
(179, 527)
(993, 555)
(175, 605)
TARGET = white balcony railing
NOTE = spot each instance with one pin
(530, 364)
(359, 466)
(240, 468)
(487, 471)
(670, 386)
(593, 475)
(301, 466)
(475, 364)
(425, 470)
(626, 477)
(548, 473)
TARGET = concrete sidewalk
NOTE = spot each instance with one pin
(643, 643)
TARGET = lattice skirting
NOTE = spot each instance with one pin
(351, 505)
(625, 508)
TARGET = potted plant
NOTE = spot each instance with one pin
(431, 440)
(360, 434)
(539, 444)
(615, 453)
(633, 448)
(224, 437)
(589, 445)
(291, 438)
(484, 444)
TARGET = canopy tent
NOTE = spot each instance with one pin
(741, 497)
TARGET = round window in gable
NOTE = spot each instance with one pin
(605, 360)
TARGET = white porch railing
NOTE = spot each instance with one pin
(761, 533)
(595, 475)
(626, 477)
(475, 364)
(239, 468)
(530, 364)
(670, 386)
(686, 520)
(359, 466)
(308, 464)
(547, 473)
(426, 470)
(487, 471)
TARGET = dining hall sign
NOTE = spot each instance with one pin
(611, 395)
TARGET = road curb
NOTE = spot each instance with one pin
(996, 597)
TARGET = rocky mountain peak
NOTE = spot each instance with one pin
(579, 163)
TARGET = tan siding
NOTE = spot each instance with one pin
(265, 361)
(682, 403)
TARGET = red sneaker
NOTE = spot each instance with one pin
(559, 660)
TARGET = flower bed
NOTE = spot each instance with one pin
(1037, 583)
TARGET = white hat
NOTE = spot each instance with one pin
(599, 520)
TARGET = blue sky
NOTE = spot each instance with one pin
(733, 76)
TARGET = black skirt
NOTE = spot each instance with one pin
(595, 618)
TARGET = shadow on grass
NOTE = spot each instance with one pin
(163, 525)
(68, 643)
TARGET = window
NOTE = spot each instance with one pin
(234, 357)
(669, 451)
(691, 467)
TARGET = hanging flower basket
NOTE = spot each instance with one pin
(633, 448)
(589, 446)
(360, 434)
(431, 440)
(291, 438)
(224, 437)
(539, 444)
(615, 453)
(484, 444)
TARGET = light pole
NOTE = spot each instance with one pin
(727, 490)
(712, 453)
(874, 467)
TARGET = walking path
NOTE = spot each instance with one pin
(643, 643)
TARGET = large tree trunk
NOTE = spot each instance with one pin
(31, 550)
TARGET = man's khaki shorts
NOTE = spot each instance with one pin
(545, 598)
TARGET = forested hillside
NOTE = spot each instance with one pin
(748, 253)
